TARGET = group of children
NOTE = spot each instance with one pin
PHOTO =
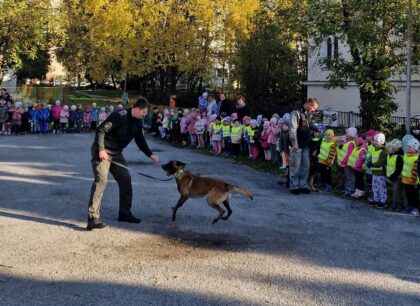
(362, 165)
(44, 118)
(368, 158)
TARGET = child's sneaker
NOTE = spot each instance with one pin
(327, 187)
(412, 211)
(380, 205)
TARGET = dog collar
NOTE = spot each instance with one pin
(178, 173)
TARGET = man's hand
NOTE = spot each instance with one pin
(154, 158)
(103, 155)
(295, 147)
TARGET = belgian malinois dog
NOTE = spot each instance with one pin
(194, 186)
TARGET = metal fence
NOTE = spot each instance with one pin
(27, 93)
(348, 119)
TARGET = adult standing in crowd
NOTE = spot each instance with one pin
(112, 136)
(224, 106)
(202, 102)
(241, 109)
(212, 105)
(300, 138)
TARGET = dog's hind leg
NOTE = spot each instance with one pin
(219, 209)
(181, 201)
(229, 210)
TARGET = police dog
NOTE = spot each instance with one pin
(194, 186)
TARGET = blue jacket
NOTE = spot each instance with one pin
(44, 114)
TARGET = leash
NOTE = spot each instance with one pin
(146, 175)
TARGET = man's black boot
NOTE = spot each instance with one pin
(128, 218)
(94, 223)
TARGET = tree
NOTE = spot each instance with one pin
(31, 68)
(25, 30)
(272, 63)
(374, 32)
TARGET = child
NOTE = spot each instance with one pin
(95, 114)
(110, 110)
(341, 179)
(347, 149)
(55, 113)
(184, 126)
(254, 136)
(226, 136)
(33, 117)
(410, 176)
(368, 172)
(44, 115)
(79, 118)
(235, 137)
(200, 128)
(356, 162)
(264, 141)
(191, 129)
(72, 118)
(17, 113)
(102, 116)
(64, 118)
(394, 167)
(248, 135)
(378, 164)
(315, 147)
(273, 133)
(326, 158)
(87, 119)
(216, 136)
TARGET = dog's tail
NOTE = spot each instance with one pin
(242, 191)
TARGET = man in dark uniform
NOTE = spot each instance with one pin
(112, 136)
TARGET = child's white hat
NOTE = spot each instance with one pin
(413, 143)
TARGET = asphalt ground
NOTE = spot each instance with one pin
(279, 249)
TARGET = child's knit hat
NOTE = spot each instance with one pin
(234, 116)
(360, 141)
(329, 133)
(414, 144)
(226, 119)
(273, 120)
(254, 122)
(393, 146)
(380, 138)
(102, 108)
(351, 131)
(73, 107)
(259, 118)
(65, 107)
(266, 123)
(370, 133)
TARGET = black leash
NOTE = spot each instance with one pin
(146, 175)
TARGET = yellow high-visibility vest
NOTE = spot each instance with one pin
(341, 155)
(375, 158)
(409, 172)
(226, 131)
(391, 164)
(235, 134)
(327, 153)
(354, 157)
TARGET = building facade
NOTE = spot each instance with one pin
(348, 99)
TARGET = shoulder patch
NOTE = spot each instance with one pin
(123, 112)
(108, 125)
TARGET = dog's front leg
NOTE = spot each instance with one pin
(181, 201)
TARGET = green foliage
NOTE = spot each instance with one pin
(24, 30)
(36, 67)
(272, 62)
(375, 34)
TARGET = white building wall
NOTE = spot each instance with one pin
(348, 99)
